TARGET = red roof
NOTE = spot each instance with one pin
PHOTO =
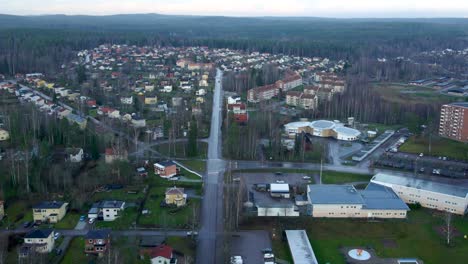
(109, 151)
(240, 106)
(241, 118)
(161, 251)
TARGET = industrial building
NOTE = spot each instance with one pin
(322, 128)
(430, 194)
(344, 201)
(454, 121)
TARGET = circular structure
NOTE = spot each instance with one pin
(322, 128)
(322, 124)
(359, 254)
(346, 133)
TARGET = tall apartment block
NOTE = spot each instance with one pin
(454, 121)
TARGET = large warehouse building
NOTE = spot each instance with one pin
(322, 128)
(344, 201)
(444, 197)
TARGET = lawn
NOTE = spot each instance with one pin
(182, 217)
(120, 194)
(439, 147)
(404, 93)
(17, 212)
(69, 221)
(183, 244)
(414, 237)
(333, 177)
(180, 150)
(125, 221)
(196, 165)
(75, 252)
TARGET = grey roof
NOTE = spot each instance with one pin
(380, 197)
(264, 200)
(166, 163)
(300, 247)
(98, 234)
(48, 205)
(39, 233)
(112, 204)
(462, 104)
(334, 194)
(418, 183)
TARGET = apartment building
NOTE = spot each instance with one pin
(289, 82)
(434, 195)
(51, 212)
(262, 93)
(302, 100)
(454, 121)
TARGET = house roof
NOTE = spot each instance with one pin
(166, 163)
(111, 204)
(48, 205)
(39, 233)
(380, 197)
(98, 234)
(161, 251)
(334, 194)
(422, 184)
(174, 190)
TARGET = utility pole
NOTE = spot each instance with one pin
(321, 168)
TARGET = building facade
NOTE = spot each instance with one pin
(51, 212)
(454, 121)
(40, 240)
(434, 195)
(97, 241)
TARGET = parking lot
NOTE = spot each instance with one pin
(249, 245)
(294, 179)
(426, 165)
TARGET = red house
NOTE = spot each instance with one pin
(165, 169)
(97, 241)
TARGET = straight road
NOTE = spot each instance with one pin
(210, 243)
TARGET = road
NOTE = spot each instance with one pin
(210, 243)
(132, 232)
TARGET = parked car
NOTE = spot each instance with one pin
(306, 177)
(190, 233)
(58, 251)
(28, 224)
(173, 179)
(278, 173)
(82, 218)
(91, 221)
(421, 155)
(279, 181)
(56, 235)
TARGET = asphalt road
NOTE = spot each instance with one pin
(210, 243)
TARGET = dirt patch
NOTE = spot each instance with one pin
(389, 243)
(442, 231)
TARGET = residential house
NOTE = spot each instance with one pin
(201, 92)
(161, 254)
(234, 100)
(262, 93)
(63, 112)
(76, 119)
(165, 169)
(127, 100)
(113, 154)
(151, 100)
(74, 155)
(49, 211)
(106, 210)
(113, 113)
(149, 88)
(4, 135)
(138, 121)
(176, 196)
(167, 89)
(97, 242)
(38, 240)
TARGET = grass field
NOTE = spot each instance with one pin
(17, 212)
(196, 165)
(75, 252)
(69, 221)
(439, 147)
(415, 237)
(333, 177)
(120, 194)
(180, 150)
(183, 244)
(404, 93)
(125, 221)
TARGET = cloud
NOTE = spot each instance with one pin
(319, 8)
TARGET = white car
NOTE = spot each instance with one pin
(279, 181)
(56, 235)
(91, 221)
(306, 177)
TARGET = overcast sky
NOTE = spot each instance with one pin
(317, 8)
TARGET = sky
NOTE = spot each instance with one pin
(315, 8)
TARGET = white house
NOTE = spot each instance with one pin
(39, 240)
(106, 210)
(75, 155)
(127, 100)
(201, 92)
(167, 89)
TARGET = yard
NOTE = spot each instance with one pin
(179, 150)
(183, 244)
(17, 212)
(439, 147)
(196, 165)
(75, 252)
(127, 220)
(333, 177)
(415, 237)
(183, 217)
(69, 221)
(404, 93)
(126, 194)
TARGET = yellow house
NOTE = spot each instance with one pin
(40, 240)
(4, 135)
(176, 196)
(151, 100)
(49, 85)
(51, 212)
(2, 210)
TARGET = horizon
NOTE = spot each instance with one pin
(338, 9)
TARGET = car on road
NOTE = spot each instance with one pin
(82, 218)
(192, 233)
(58, 251)
(91, 221)
(306, 177)
(56, 235)
(279, 181)
(421, 155)
(267, 250)
(236, 260)
(278, 173)
(173, 179)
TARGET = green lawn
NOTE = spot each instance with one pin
(196, 165)
(125, 221)
(183, 244)
(415, 237)
(439, 147)
(333, 177)
(180, 150)
(75, 252)
(168, 217)
(404, 93)
(69, 221)
(17, 212)
(120, 194)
